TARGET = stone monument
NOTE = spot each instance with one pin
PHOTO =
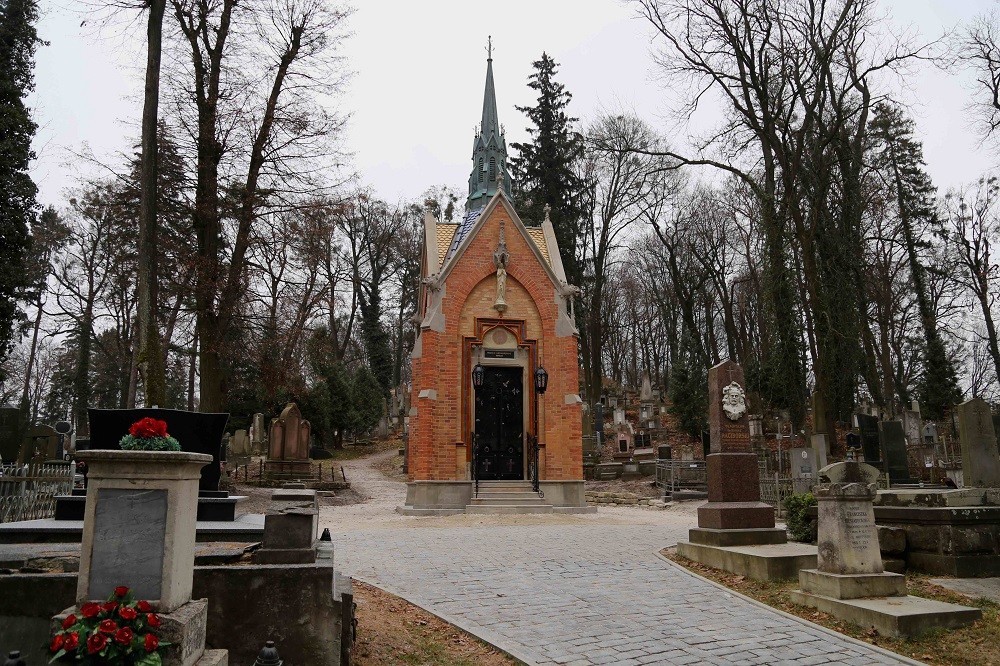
(893, 442)
(11, 425)
(849, 580)
(820, 438)
(980, 458)
(733, 483)
(288, 445)
(139, 531)
(869, 431)
(803, 464)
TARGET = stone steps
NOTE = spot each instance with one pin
(493, 509)
(510, 500)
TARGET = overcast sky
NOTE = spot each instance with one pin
(416, 94)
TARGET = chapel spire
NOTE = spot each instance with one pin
(489, 149)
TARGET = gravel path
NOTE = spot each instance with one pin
(569, 589)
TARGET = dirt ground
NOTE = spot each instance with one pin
(975, 645)
(392, 631)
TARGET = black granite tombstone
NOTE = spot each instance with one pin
(197, 433)
(11, 424)
(868, 429)
(893, 441)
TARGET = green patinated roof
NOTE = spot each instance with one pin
(489, 150)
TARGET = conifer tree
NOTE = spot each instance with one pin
(544, 168)
(900, 158)
(18, 208)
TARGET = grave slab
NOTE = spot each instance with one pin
(907, 617)
(762, 562)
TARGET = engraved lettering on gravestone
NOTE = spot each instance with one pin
(734, 402)
(129, 530)
(859, 525)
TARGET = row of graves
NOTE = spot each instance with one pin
(867, 536)
(153, 545)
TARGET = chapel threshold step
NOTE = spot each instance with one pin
(487, 509)
(504, 501)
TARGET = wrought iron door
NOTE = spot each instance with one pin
(500, 425)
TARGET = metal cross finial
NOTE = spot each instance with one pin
(489, 47)
(548, 209)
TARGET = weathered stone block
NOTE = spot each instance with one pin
(891, 540)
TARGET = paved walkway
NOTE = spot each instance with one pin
(569, 589)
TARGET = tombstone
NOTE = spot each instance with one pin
(139, 532)
(911, 426)
(646, 389)
(288, 444)
(980, 459)
(803, 469)
(290, 528)
(849, 563)
(258, 434)
(818, 406)
(239, 451)
(930, 436)
(893, 442)
(821, 447)
(41, 444)
(733, 483)
(619, 416)
(599, 421)
(196, 432)
(868, 429)
(11, 423)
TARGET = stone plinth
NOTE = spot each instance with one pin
(290, 528)
(849, 581)
(980, 457)
(139, 526)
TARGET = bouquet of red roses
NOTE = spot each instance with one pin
(149, 434)
(119, 631)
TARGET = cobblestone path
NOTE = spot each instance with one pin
(570, 590)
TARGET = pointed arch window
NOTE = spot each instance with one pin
(481, 169)
(493, 168)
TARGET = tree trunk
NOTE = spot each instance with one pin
(150, 357)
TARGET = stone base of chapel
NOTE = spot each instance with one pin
(444, 498)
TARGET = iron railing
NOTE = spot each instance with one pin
(28, 492)
(475, 464)
(534, 463)
(674, 475)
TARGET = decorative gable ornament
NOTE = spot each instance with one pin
(500, 259)
(734, 402)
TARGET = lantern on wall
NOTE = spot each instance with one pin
(541, 380)
(478, 373)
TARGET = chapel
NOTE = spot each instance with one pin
(495, 417)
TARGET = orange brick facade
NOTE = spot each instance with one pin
(443, 414)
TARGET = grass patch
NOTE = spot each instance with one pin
(975, 645)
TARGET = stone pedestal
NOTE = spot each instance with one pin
(736, 530)
(139, 525)
(290, 528)
(849, 580)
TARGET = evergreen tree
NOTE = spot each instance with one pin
(18, 208)
(688, 389)
(366, 394)
(543, 171)
(900, 157)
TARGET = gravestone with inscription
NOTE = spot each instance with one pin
(893, 442)
(868, 430)
(733, 483)
(849, 563)
(803, 469)
(980, 459)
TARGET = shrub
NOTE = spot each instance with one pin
(801, 525)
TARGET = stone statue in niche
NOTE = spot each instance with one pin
(734, 402)
(500, 259)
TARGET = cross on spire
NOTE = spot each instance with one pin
(489, 47)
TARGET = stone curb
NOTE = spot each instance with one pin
(487, 636)
(812, 625)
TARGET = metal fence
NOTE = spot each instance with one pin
(775, 488)
(29, 492)
(674, 475)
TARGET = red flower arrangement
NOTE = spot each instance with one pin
(149, 434)
(119, 631)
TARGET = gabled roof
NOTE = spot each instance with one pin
(451, 235)
(474, 220)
